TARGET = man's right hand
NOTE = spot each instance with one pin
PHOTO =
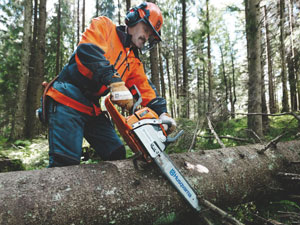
(120, 95)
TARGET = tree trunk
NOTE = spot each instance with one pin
(161, 72)
(74, 39)
(83, 16)
(171, 100)
(32, 68)
(154, 68)
(117, 193)
(35, 87)
(119, 12)
(293, 77)
(209, 66)
(254, 65)
(285, 98)
(78, 21)
(128, 5)
(154, 61)
(184, 100)
(272, 104)
(232, 95)
(224, 75)
(198, 103)
(204, 104)
(176, 68)
(19, 124)
(264, 108)
(233, 83)
(58, 38)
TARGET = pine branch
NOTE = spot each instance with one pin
(272, 143)
(194, 136)
(229, 137)
(268, 114)
(214, 133)
(220, 212)
(255, 135)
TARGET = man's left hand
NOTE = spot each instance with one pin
(170, 124)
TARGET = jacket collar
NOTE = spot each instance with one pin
(124, 37)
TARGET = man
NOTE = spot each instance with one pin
(106, 59)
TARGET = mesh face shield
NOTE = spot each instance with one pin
(152, 41)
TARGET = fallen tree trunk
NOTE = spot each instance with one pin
(117, 193)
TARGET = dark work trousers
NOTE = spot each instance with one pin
(67, 127)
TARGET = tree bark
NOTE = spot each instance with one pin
(116, 193)
(78, 21)
(185, 95)
(293, 76)
(285, 98)
(233, 101)
(83, 16)
(224, 75)
(19, 124)
(171, 100)
(58, 38)
(209, 66)
(34, 85)
(128, 5)
(161, 73)
(254, 65)
(272, 104)
(154, 68)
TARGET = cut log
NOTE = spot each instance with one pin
(117, 193)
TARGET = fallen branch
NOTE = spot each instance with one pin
(289, 176)
(230, 138)
(268, 114)
(289, 215)
(262, 220)
(220, 212)
(255, 135)
(214, 133)
(272, 143)
(194, 136)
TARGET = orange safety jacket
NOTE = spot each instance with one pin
(104, 49)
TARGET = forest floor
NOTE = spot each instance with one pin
(33, 154)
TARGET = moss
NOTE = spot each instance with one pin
(166, 219)
(7, 165)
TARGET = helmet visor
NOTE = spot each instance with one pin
(155, 32)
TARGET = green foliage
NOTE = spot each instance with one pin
(267, 210)
(67, 41)
(33, 154)
(184, 142)
(10, 55)
(23, 143)
(281, 124)
(107, 8)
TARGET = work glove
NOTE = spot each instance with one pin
(171, 124)
(120, 95)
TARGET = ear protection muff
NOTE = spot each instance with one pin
(133, 17)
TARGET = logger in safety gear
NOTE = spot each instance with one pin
(105, 60)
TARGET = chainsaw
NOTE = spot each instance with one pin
(144, 133)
